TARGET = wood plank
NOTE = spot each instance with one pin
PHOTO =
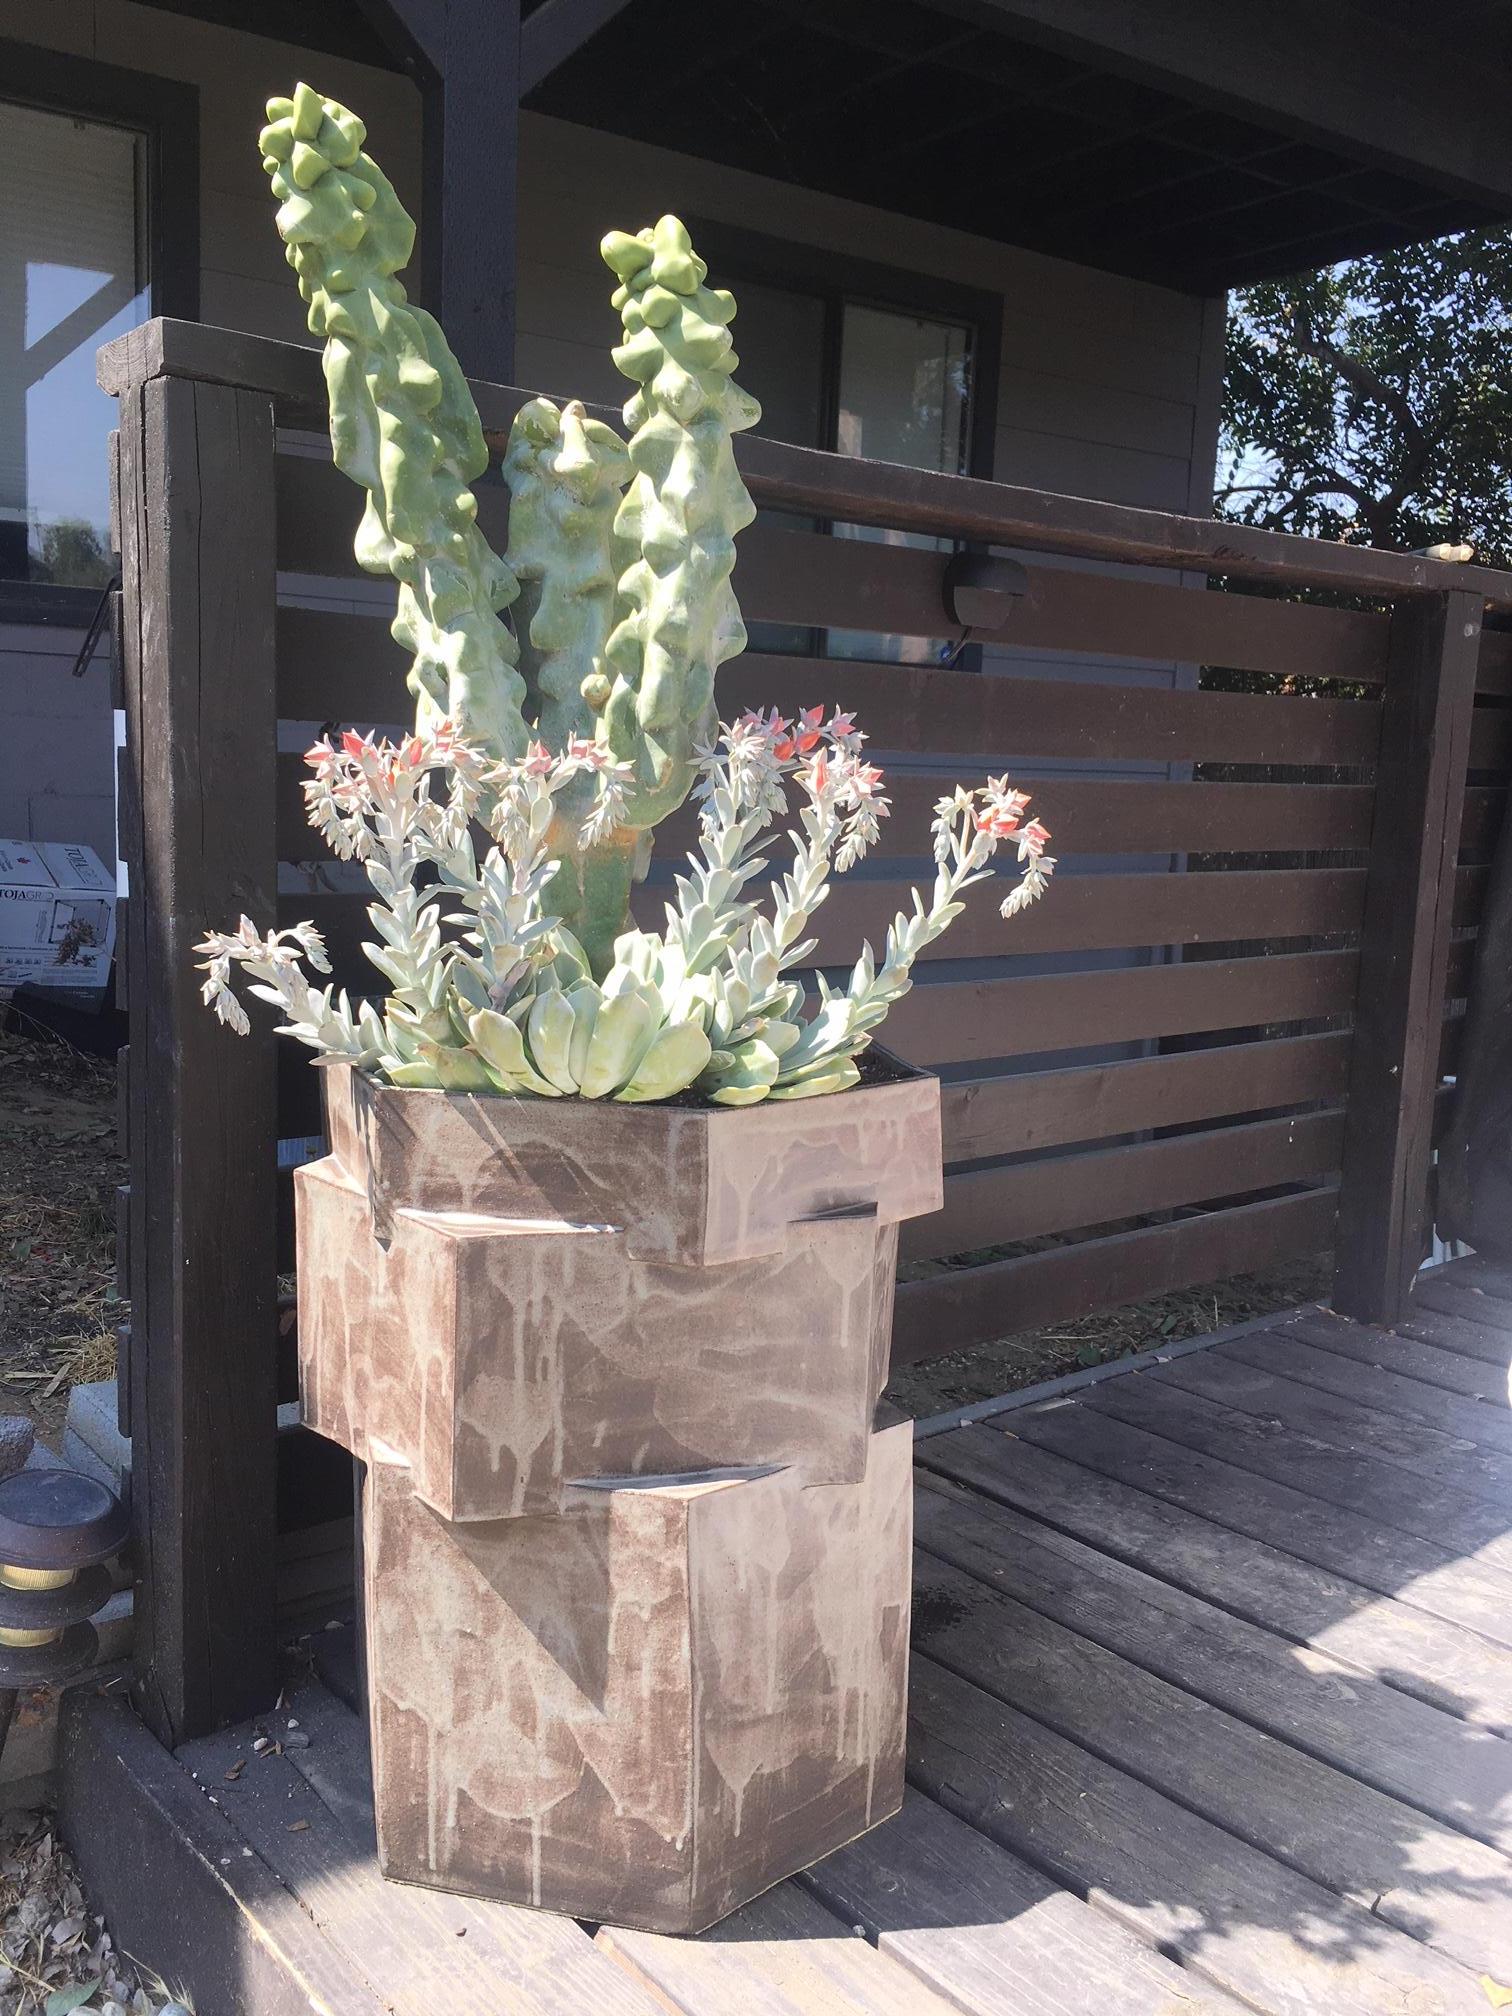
(960, 1021)
(200, 738)
(784, 1954)
(168, 1870)
(1376, 1489)
(987, 1207)
(1493, 1279)
(813, 481)
(1410, 1357)
(1347, 1423)
(1235, 1725)
(1146, 818)
(1014, 1111)
(1405, 956)
(971, 1305)
(1422, 1574)
(808, 579)
(421, 1949)
(992, 1934)
(1408, 1649)
(1454, 1298)
(1294, 1355)
(1280, 1942)
(1480, 1341)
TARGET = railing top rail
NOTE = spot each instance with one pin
(854, 490)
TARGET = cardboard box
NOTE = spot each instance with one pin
(57, 915)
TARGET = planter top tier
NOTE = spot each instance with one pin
(695, 1184)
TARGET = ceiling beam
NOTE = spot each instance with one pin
(1424, 102)
(556, 30)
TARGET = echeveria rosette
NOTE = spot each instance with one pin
(403, 423)
(508, 1003)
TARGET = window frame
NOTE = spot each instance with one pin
(838, 278)
(166, 112)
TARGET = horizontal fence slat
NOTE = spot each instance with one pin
(1086, 816)
(784, 576)
(1494, 671)
(1014, 1112)
(989, 1207)
(959, 1021)
(815, 482)
(965, 1306)
(348, 668)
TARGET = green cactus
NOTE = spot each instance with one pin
(675, 532)
(627, 610)
(403, 423)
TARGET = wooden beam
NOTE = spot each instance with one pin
(196, 489)
(1404, 957)
(470, 166)
(1426, 103)
(556, 30)
(814, 482)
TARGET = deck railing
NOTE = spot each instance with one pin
(1139, 1116)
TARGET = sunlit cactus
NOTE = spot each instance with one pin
(627, 609)
(675, 534)
(403, 423)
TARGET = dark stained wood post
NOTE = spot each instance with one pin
(470, 164)
(1394, 1065)
(197, 530)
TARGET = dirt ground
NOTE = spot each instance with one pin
(58, 1175)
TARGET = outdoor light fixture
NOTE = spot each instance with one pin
(980, 590)
(57, 1529)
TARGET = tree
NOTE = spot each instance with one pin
(1372, 402)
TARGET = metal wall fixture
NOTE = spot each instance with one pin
(57, 1530)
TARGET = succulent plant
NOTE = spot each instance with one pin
(577, 726)
(621, 598)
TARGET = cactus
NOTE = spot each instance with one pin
(622, 607)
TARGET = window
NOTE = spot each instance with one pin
(838, 364)
(99, 229)
(73, 274)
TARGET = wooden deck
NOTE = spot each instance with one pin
(1211, 1698)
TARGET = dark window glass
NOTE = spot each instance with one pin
(73, 274)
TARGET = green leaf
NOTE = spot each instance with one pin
(74, 1996)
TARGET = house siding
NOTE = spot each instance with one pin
(1107, 385)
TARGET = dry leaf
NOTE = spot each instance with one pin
(303, 1827)
(235, 1771)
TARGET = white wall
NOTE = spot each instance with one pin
(1108, 386)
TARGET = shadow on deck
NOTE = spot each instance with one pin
(1211, 1697)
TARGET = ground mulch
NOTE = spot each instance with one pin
(58, 1175)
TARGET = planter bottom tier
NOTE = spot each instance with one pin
(649, 1707)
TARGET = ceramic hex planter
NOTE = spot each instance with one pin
(636, 1557)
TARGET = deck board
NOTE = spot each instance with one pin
(1394, 1397)
(1369, 1432)
(1379, 1491)
(1407, 1356)
(1211, 1711)
(1410, 1649)
(1193, 1704)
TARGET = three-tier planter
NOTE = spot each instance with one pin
(636, 1558)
